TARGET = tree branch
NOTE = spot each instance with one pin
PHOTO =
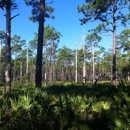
(99, 77)
(123, 35)
(14, 16)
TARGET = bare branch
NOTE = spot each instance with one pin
(123, 35)
(14, 16)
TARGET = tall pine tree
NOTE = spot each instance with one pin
(108, 12)
(8, 5)
(39, 12)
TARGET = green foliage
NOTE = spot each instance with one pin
(36, 10)
(50, 33)
(2, 35)
(118, 122)
(67, 106)
(3, 4)
(123, 41)
(101, 10)
(65, 56)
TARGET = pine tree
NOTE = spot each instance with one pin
(108, 12)
(8, 5)
(39, 12)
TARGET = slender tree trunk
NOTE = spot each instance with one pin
(14, 73)
(0, 61)
(54, 74)
(32, 67)
(91, 68)
(66, 73)
(53, 55)
(93, 64)
(21, 68)
(70, 74)
(50, 74)
(84, 64)
(40, 45)
(76, 64)
(27, 63)
(114, 45)
(62, 70)
(7, 48)
(84, 57)
(46, 69)
(21, 71)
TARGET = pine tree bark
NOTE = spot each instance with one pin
(114, 45)
(14, 73)
(0, 61)
(50, 72)
(76, 64)
(7, 48)
(53, 55)
(62, 71)
(27, 64)
(46, 71)
(40, 45)
(84, 65)
(21, 68)
(93, 64)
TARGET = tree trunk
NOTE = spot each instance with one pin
(0, 61)
(21, 71)
(32, 71)
(50, 73)
(34, 68)
(21, 68)
(27, 63)
(84, 65)
(54, 74)
(93, 64)
(7, 48)
(62, 72)
(66, 73)
(40, 45)
(114, 45)
(53, 55)
(76, 64)
(46, 69)
(14, 73)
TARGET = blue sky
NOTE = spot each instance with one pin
(66, 21)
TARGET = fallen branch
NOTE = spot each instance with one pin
(99, 77)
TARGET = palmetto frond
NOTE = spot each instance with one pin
(15, 104)
(101, 106)
(26, 102)
(119, 123)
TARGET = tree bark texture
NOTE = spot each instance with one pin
(7, 48)
(40, 45)
(114, 45)
(0, 61)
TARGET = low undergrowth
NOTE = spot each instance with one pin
(67, 106)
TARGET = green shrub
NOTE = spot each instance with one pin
(67, 106)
